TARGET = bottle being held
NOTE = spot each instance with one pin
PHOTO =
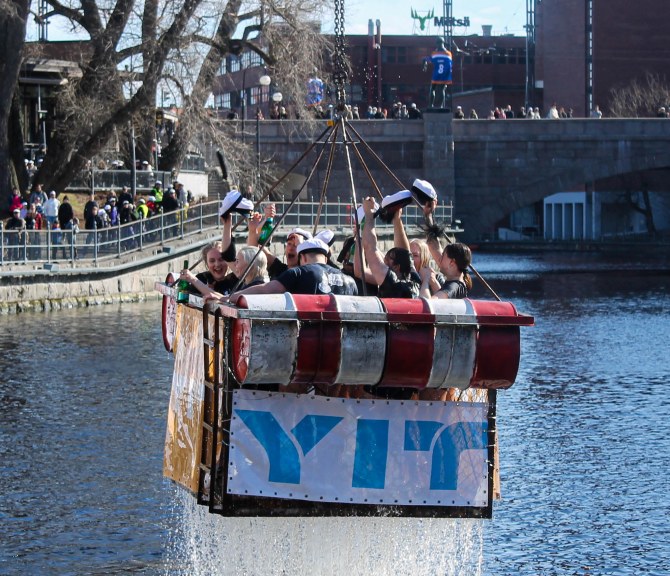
(183, 288)
(266, 230)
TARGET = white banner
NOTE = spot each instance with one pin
(326, 449)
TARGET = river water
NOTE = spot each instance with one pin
(583, 441)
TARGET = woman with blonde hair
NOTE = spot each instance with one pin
(421, 258)
(258, 272)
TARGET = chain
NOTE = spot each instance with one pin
(339, 57)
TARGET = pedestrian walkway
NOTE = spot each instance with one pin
(159, 237)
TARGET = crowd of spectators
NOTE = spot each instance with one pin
(103, 216)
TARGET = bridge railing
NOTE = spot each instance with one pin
(100, 246)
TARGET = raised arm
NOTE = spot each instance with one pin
(374, 258)
(433, 243)
(227, 233)
(256, 226)
(369, 278)
(400, 239)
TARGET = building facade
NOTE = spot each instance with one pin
(586, 51)
(488, 72)
(588, 48)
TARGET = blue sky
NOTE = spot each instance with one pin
(506, 16)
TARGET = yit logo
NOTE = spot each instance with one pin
(286, 450)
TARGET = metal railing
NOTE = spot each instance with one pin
(106, 244)
(116, 179)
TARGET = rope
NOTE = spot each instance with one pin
(390, 173)
(288, 208)
(354, 202)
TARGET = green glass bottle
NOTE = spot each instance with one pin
(266, 230)
(183, 287)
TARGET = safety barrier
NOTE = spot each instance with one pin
(43, 246)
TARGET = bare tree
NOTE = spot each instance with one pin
(135, 46)
(641, 98)
(13, 16)
(290, 45)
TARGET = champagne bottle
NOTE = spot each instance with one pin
(182, 287)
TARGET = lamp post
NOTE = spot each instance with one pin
(244, 93)
(264, 81)
(277, 98)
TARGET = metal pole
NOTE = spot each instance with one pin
(589, 58)
(244, 98)
(41, 113)
(133, 167)
(258, 148)
(25, 245)
(95, 242)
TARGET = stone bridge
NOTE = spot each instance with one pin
(487, 168)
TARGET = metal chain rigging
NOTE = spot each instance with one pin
(339, 57)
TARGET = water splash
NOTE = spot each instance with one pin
(208, 544)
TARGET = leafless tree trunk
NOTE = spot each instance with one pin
(13, 16)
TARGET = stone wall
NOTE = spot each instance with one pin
(487, 168)
(501, 166)
(399, 146)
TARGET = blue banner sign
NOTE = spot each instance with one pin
(324, 449)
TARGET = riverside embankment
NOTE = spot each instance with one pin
(44, 290)
(131, 278)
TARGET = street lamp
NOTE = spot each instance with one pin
(264, 81)
(277, 98)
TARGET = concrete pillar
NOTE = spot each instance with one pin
(438, 153)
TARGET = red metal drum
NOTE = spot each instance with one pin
(498, 344)
(309, 339)
(319, 338)
(264, 351)
(337, 343)
(455, 343)
(409, 343)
